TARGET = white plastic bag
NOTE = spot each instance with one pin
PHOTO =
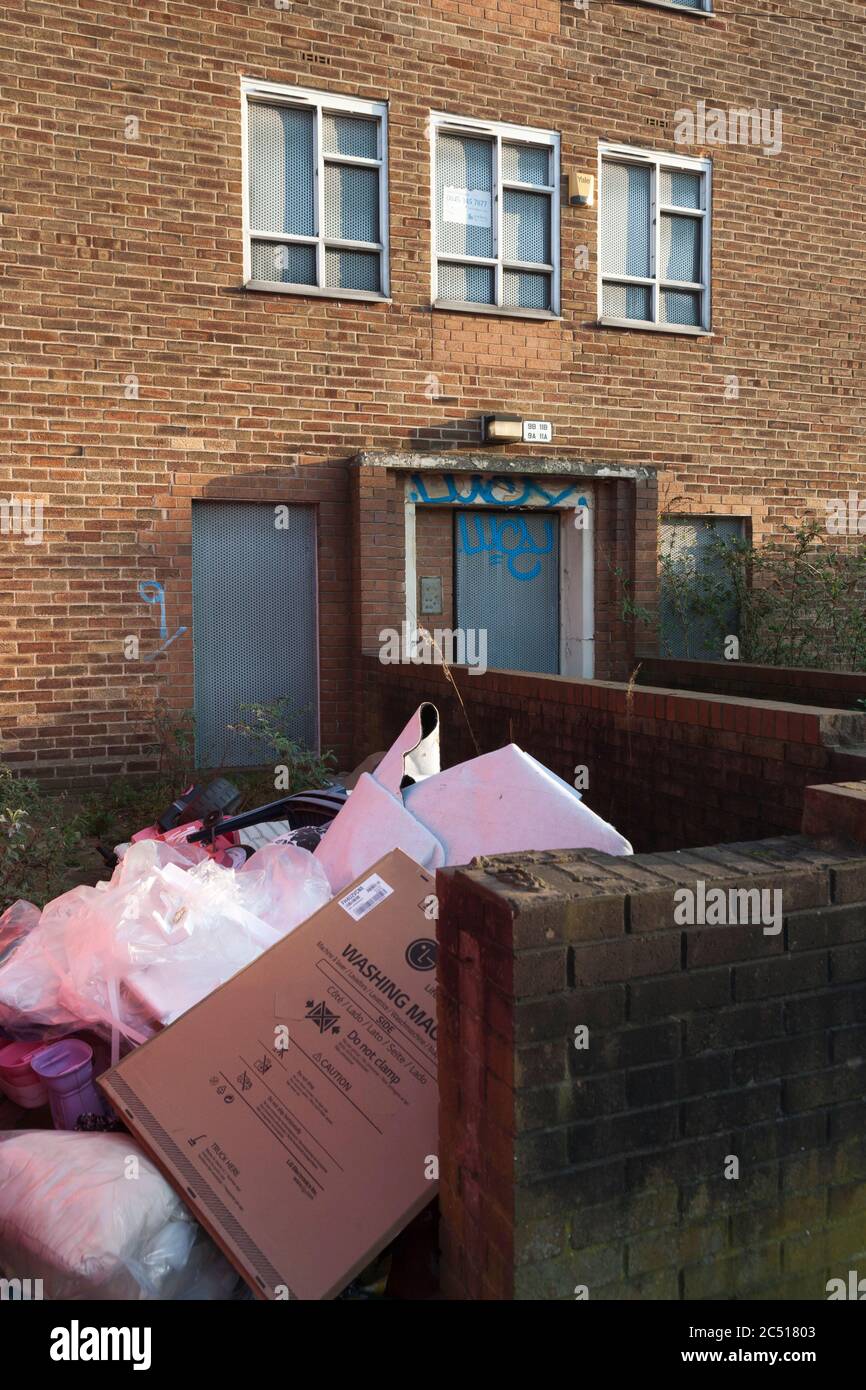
(92, 1218)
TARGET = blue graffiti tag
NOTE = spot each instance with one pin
(152, 592)
(491, 536)
(490, 492)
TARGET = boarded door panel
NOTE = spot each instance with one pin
(507, 581)
(254, 623)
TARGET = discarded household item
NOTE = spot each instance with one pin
(128, 956)
(198, 802)
(92, 1218)
(199, 806)
(66, 1067)
(19, 1082)
(296, 1108)
(276, 819)
(497, 803)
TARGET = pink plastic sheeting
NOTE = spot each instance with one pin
(132, 954)
(498, 803)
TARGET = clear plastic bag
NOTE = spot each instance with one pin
(135, 953)
(15, 924)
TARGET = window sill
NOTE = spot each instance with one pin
(501, 311)
(314, 292)
(677, 329)
(680, 9)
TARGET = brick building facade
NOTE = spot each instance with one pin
(150, 391)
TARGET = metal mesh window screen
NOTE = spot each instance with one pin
(525, 289)
(627, 301)
(680, 248)
(254, 624)
(464, 165)
(352, 270)
(526, 226)
(526, 164)
(301, 158)
(625, 219)
(632, 196)
(680, 306)
(351, 199)
(690, 553)
(468, 284)
(479, 217)
(680, 189)
(349, 135)
(282, 169)
(285, 263)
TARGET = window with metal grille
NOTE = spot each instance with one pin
(495, 203)
(654, 241)
(316, 211)
(698, 602)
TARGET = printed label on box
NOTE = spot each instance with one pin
(365, 897)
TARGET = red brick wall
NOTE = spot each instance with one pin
(434, 541)
(124, 258)
(668, 769)
(838, 689)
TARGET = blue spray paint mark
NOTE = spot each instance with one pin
(152, 592)
(491, 534)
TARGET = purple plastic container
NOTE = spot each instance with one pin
(66, 1067)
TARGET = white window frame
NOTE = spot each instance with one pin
(303, 98)
(442, 122)
(705, 7)
(656, 161)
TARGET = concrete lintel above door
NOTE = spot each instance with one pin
(490, 461)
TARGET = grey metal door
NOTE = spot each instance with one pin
(255, 630)
(507, 582)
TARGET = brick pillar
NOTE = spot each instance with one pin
(598, 1164)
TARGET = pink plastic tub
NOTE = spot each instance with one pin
(18, 1079)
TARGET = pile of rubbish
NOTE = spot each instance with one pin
(190, 902)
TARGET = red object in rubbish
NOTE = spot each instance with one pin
(18, 1080)
(220, 849)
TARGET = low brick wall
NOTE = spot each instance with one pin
(836, 689)
(705, 1137)
(669, 770)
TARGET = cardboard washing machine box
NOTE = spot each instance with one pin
(295, 1109)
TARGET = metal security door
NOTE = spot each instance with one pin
(507, 582)
(254, 623)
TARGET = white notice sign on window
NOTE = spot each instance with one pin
(470, 207)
